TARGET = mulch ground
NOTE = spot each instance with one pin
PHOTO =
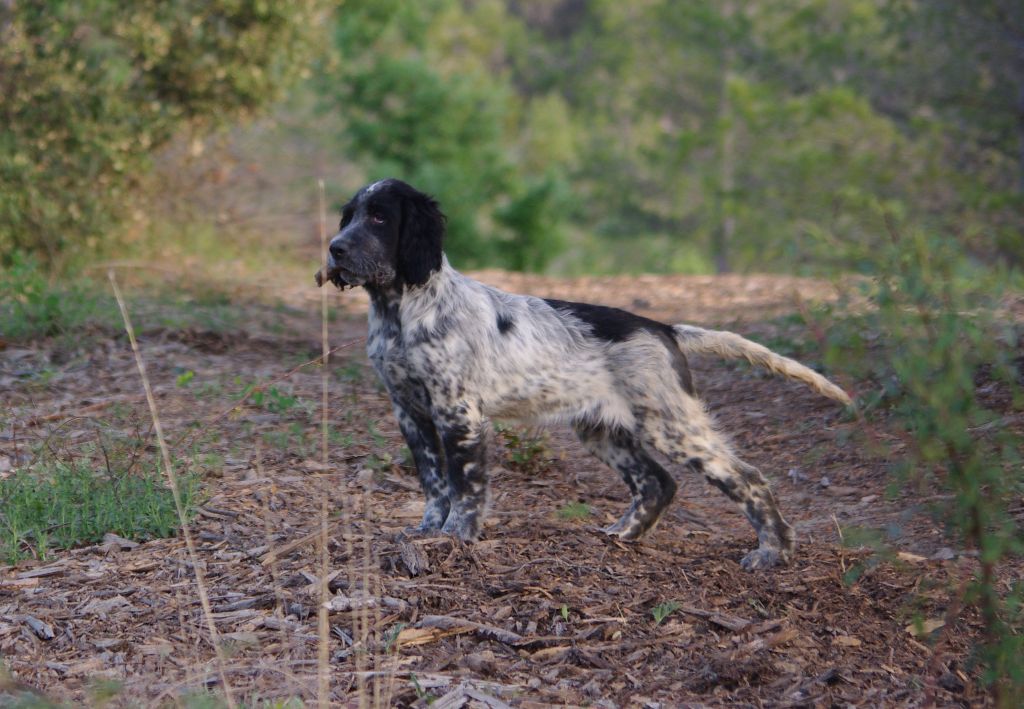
(545, 610)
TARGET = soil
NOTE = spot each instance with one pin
(545, 609)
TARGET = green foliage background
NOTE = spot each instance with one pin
(748, 135)
(560, 135)
(92, 88)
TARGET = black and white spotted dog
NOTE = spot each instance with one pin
(454, 353)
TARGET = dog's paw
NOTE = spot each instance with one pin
(434, 515)
(464, 526)
(421, 531)
(632, 525)
(624, 531)
(762, 559)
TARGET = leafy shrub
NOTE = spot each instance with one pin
(948, 371)
(92, 88)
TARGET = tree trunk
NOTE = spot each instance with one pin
(725, 203)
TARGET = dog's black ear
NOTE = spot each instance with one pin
(419, 244)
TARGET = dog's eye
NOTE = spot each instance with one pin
(377, 218)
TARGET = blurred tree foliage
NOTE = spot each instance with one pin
(425, 94)
(767, 135)
(90, 88)
(692, 134)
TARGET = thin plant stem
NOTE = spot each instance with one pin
(323, 623)
(172, 479)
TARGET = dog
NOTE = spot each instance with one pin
(453, 353)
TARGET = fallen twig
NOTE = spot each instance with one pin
(446, 622)
(730, 622)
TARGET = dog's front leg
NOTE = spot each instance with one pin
(425, 445)
(463, 433)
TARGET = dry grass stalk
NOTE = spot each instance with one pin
(323, 626)
(324, 380)
(172, 479)
(275, 573)
(376, 644)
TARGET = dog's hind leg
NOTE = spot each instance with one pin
(651, 486)
(425, 445)
(694, 442)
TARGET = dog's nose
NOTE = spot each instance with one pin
(337, 249)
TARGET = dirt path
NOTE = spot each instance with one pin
(544, 611)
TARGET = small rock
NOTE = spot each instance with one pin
(796, 476)
(951, 683)
(868, 498)
(824, 482)
(944, 554)
(534, 683)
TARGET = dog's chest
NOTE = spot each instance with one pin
(390, 357)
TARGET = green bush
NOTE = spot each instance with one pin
(933, 348)
(92, 87)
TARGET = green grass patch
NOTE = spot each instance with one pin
(34, 303)
(574, 510)
(66, 504)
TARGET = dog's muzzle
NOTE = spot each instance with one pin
(331, 274)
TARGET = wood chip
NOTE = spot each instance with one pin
(415, 561)
(488, 631)
(112, 540)
(410, 637)
(730, 622)
(286, 549)
(911, 558)
(925, 628)
(104, 607)
(43, 631)
(51, 570)
(548, 654)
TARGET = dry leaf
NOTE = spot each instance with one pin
(911, 558)
(925, 628)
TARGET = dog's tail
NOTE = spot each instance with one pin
(732, 346)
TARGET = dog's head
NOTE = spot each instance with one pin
(390, 236)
